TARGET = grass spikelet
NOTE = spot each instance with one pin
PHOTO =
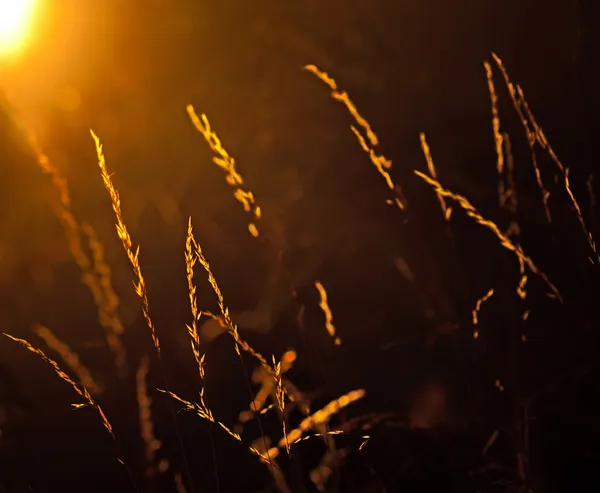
(151, 444)
(368, 143)
(545, 145)
(70, 357)
(586, 232)
(205, 414)
(320, 435)
(324, 305)
(280, 401)
(104, 297)
(269, 386)
(521, 291)
(319, 418)
(189, 406)
(227, 163)
(344, 98)
(190, 263)
(505, 241)
(536, 135)
(507, 192)
(80, 389)
(139, 283)
(498, 137)
(446, 211)
(540, 138)
(480, 302)
(123, 233)
(228, 324)
(529, 133)
(239, 343)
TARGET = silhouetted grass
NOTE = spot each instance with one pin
(276, 392)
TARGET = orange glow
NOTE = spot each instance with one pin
(15, 21)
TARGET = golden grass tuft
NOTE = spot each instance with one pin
(123, 233)
(529, 133)
(205, 414)
(536, 134)
(505, 241)
(227, 163)
(507, 190)
(369, 141)
(139, 284)
(446, 211)
(274, 375)
(270, 385)
(498, 137)
(190, 263)
(271, 377)
(227, 323)
(80, 389)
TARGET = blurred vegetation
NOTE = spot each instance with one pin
(449, 403)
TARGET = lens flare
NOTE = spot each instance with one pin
(15, 21)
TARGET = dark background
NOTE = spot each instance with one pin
(127, 70)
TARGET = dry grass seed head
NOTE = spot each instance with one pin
(227, 163)
(505, 241)
(446, 211)
(368, 143)
(80, 389)
(123, 233)
(324, 305)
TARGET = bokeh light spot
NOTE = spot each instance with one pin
(68, 98)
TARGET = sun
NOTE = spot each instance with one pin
(15, 21)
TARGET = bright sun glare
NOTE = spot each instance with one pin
(15, 21)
